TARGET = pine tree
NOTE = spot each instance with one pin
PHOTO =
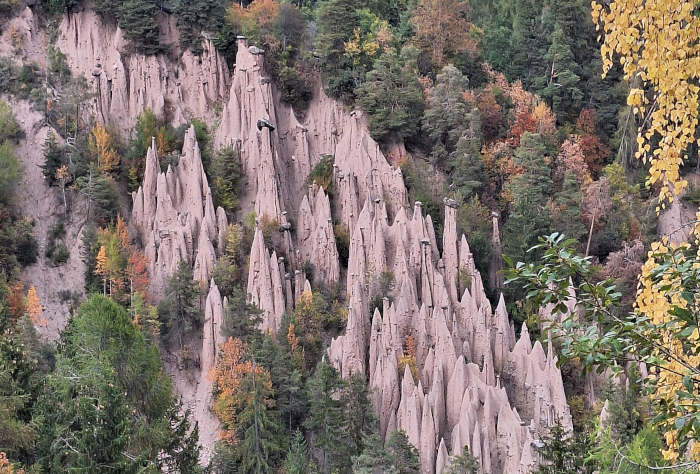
(452, 123)
(529, 42)
(529, 216)
(261, 440)
(374, 459)
(337, 21)
(298, 460)
(53, 158)
(109, 406)
(560, 86)
(195, 17)
(392, 96)
(326, 417)
(564, 452)
(403, 454)
(242, 319)
(359, 414)
(179, 311)
(567, 216)
(463, 464)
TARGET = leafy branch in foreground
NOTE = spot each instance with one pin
(662, 332)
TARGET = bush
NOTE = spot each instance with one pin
(322, 173)
(26, 245)
(9, 128)
(342, 243)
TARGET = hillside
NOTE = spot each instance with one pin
(270, 237)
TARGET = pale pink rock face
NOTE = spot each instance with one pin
(483, 387)
(477, 386)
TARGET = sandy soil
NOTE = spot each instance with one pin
(45, 206)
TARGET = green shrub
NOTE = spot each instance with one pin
(322, 173)
(60, 255)
(342, 243)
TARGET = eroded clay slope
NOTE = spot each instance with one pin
(131, 83)
(477, 386)
(174, 218)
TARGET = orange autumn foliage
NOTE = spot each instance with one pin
(34, 308)
(137, 272)
(229, 377)
(15, 300)
(491, 115)
(442, 28)
(524, 122)
(571, 158)
(6, 467)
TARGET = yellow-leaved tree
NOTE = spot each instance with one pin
(658, 45)
(658, 48)
(101, 144)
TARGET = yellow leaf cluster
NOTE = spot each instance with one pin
(6, 467)
(657, 42)
(34, 308)
(655, 300)
(101, 145)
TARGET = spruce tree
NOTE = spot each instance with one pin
(452, 124)
(261, 443)
(298, 460)
(403, 454)
(560, 86)
(392, 96)
(326, 419)
(179, 311)
(359, 414)
(374, 459)
(337, 20)
(567, 218)
(529, 216)
(463, 464)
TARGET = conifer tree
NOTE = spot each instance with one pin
(403, 454)
(337, 20)
(326, 418)
(560, 86)
(359, 414)
(261, 442)
(567, 216)
(392, 96)
(298, 460)
(179, 311)
(529, 217)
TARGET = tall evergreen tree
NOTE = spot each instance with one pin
(403, 454)
(298, 460)
(560, 86)
(109, 406)
(326, 419)
(392, 96)
(529, 216)
(337, 21)
(567, 215)
(374, 459)
(179, 311)
(261, 442)
(359, 414)
(452, 123)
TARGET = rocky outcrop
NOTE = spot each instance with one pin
(173, 215)
(174, 218)
(315, 237)
(127, 84)
(265, 288)
(277, 162)
(477, 387)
